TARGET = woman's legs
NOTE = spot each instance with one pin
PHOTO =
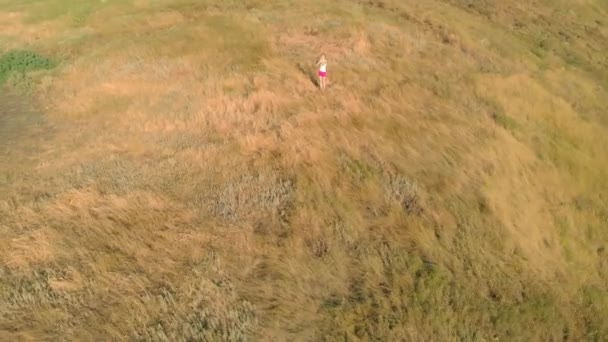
(322, 80)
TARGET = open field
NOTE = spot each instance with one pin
(169, 170)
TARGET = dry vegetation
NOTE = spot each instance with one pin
(187, 181)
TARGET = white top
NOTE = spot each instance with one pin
(323, 67)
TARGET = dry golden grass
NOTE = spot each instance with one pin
(188, 181)
(16, 33)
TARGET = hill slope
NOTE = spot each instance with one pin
(187, 180)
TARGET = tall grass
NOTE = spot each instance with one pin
(192, 183)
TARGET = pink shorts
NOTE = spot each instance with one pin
(322, 73)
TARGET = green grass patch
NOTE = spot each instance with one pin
(21, 62)
(235, 201)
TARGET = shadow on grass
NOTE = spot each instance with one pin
(308, 73)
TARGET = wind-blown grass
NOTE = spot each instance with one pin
(191, 182)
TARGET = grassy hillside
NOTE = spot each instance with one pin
(169, 170)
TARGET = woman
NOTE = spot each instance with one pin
(322, 63)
